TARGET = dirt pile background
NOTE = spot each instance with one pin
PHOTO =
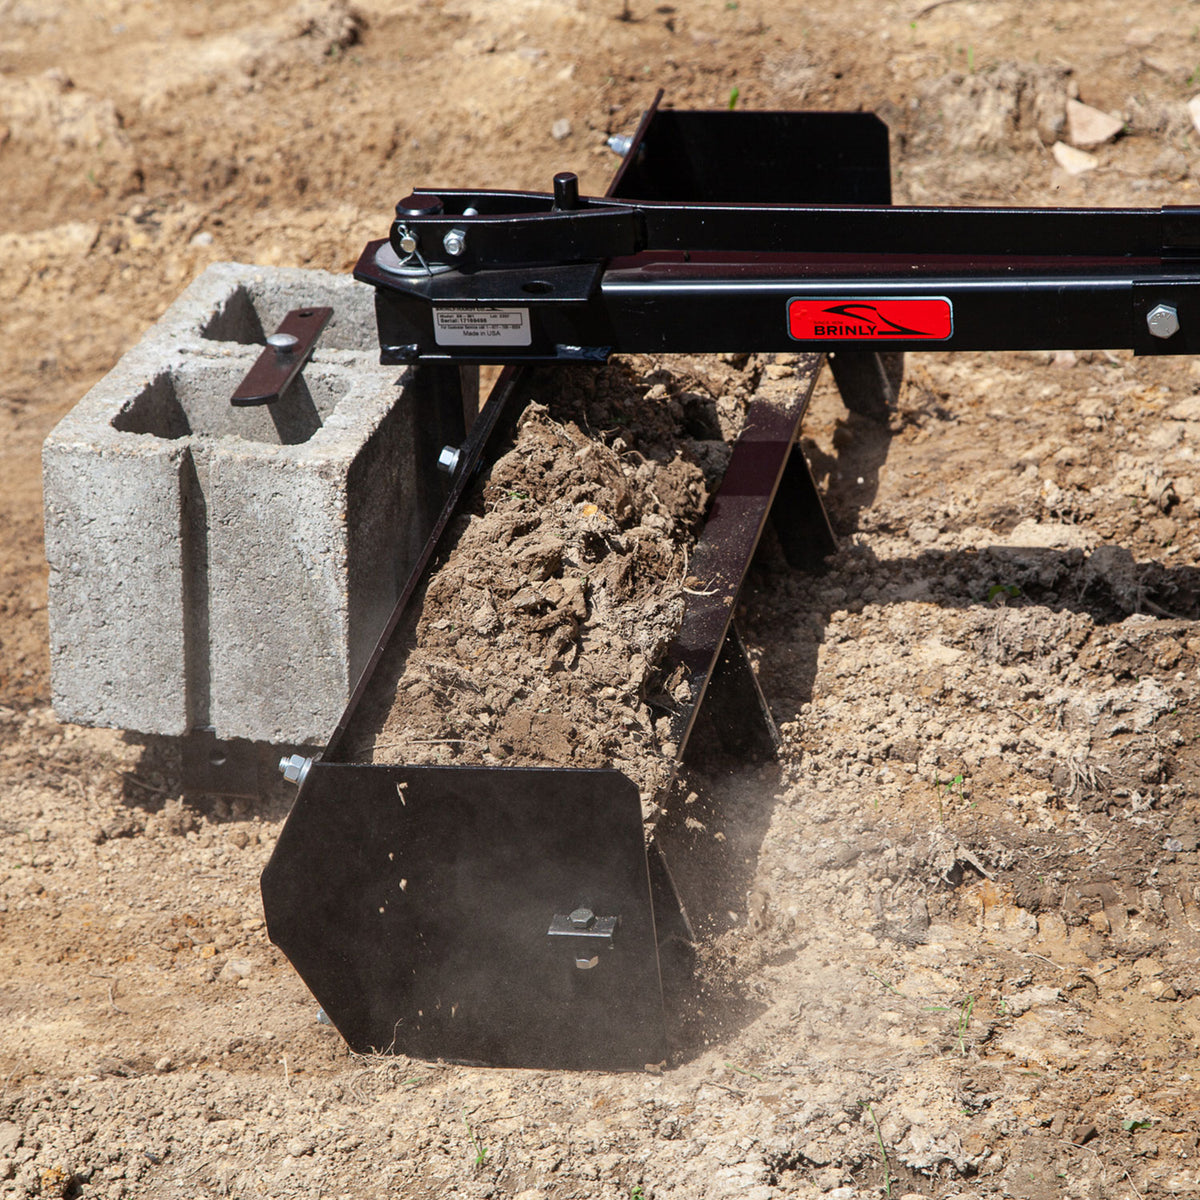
(950, 939)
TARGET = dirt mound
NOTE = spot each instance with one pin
(564, 582)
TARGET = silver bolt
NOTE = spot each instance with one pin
(1163, 321)
(455, 242)
(283, 343)
(408, 241)
(582, 918)
(620, 143)
(448, 459)
(295, 768)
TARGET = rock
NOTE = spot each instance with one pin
(1087, 126)
(1140, 37)
(235, 969)
(1083, 1133)
(163, 1064)
(1164, 530)
(10, 1138)
(561, 129)
(1185, 410)
(175, 819)
(1193, 107)
(1074, 162)
(299, 1147)
(484, 619)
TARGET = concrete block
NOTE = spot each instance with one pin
(231, 568)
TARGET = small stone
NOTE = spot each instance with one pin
(56, 1180)
(163, 1065)
(1193, 107)
(1186, 410)
(561, 129)
(10, 1138)
(299, 1147)
(1074, 162)
(1087, 126)
(203, 238)
(7, 1168)
(484, 619)
(235, 969)
(1164, 530)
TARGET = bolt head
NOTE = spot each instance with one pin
(455, 242)
(408, 241)
(582, 918)
(448, 459)
(1163, 321)
(283, 343)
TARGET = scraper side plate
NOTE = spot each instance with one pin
(415, 902)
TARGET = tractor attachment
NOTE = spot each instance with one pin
(518, 915)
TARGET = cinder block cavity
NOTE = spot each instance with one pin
(195, 401)
(220, 567)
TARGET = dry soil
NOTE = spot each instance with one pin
(949, 939)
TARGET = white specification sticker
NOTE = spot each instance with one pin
(481, 326)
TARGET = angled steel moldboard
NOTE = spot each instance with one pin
(416, 902)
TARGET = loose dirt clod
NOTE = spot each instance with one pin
(537, 636)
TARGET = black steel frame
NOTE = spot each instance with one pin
(677, 259)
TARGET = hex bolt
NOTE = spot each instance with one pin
(448, 459)
(408, 240)
(620, 144)
(455, 242)
(582, 918)
(295, 768)
(283, 343)
(1163, 321)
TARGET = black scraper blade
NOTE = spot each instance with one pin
(418, 903)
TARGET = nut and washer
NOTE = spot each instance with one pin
(295, 768)
(455, 242)
(448, 459)
(1163, 321)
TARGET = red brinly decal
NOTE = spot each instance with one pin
(839, 320)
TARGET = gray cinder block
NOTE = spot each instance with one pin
(220, 567)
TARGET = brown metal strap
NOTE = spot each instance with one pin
(283, 358)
